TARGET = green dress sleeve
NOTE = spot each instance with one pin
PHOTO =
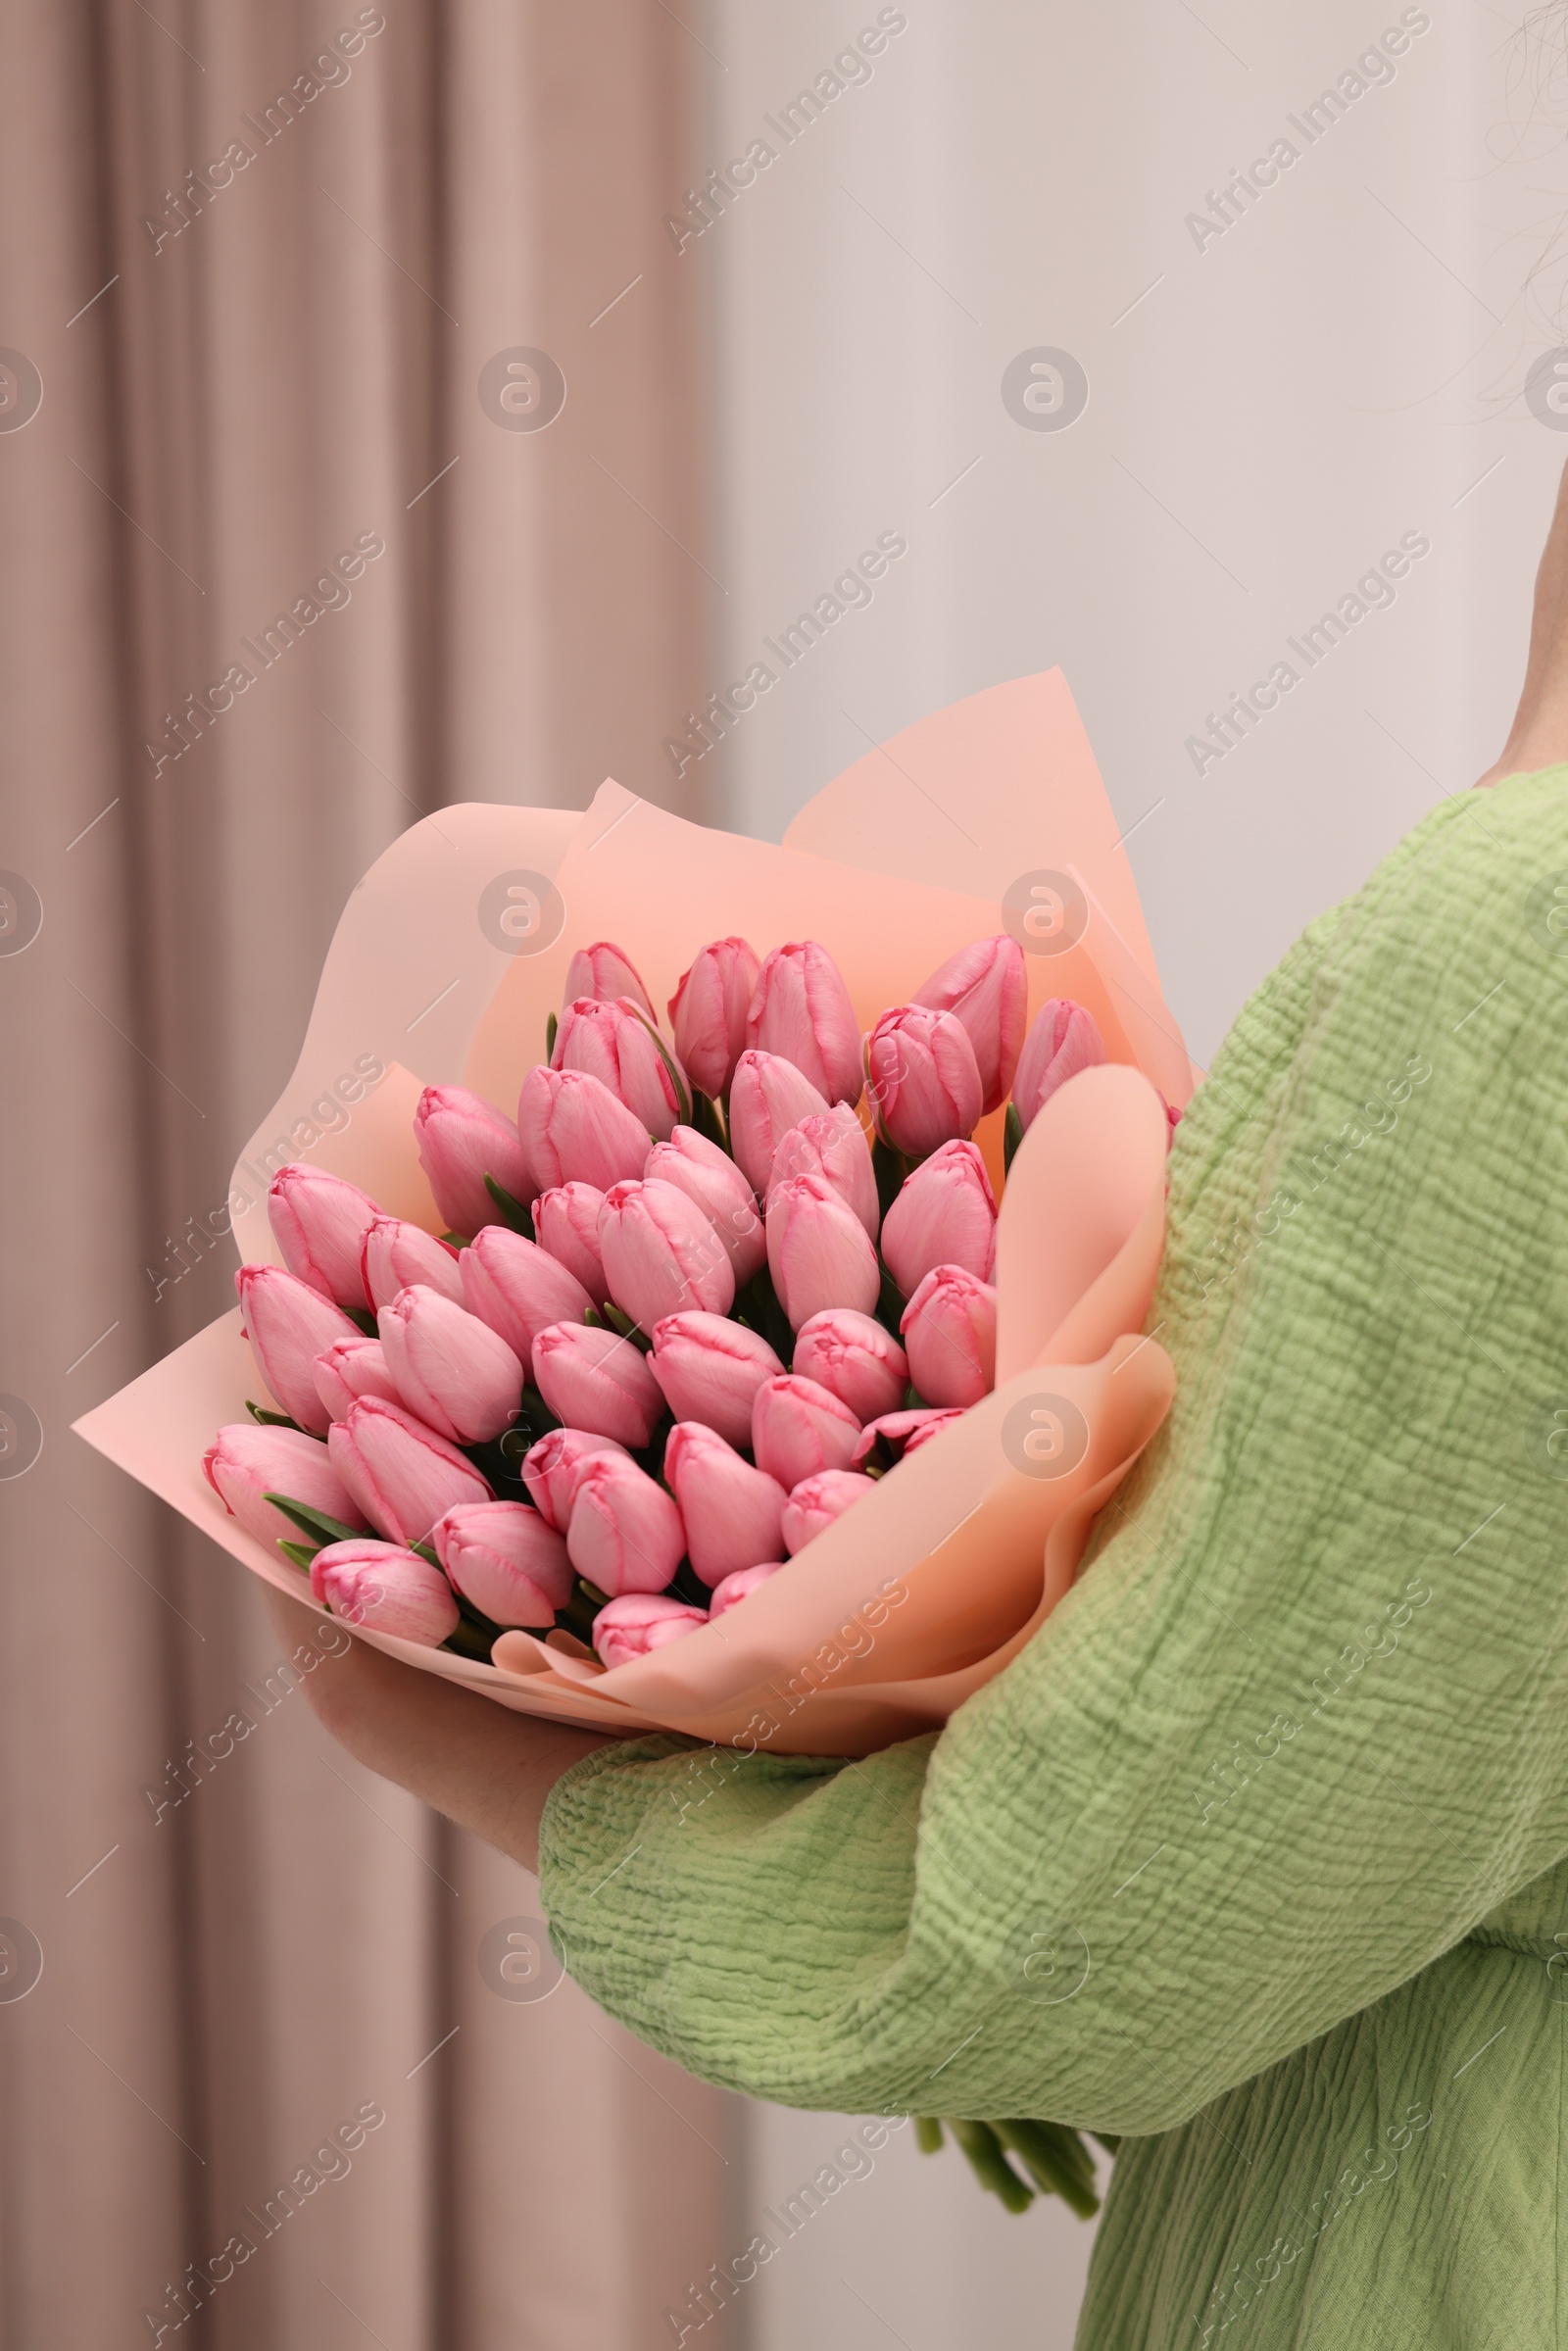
(1303, 1720)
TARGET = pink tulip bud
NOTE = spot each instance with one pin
(598, 1381)
(397, 1254)
(731, 1510)
(817, 1251)
(625, 1533)
(735, 1587)
(985, 986)
(606, 971)
(288, 1325)
(709, 1369)
(349, 1369)
(518, 1288)
(386, 1588)
(900, 1433)
(461, 1140)
(945, 1215)
(950, 1328)
(662, 1256)
(711, 1178)
(506, 1560)
(574, 1130)
(458, 1375)
(853, 1357)
(1173, 1119)
(620, 1046)
(923, 1079)
(244, 1463)
(767, 1097)
(708, 1013)
(565, 1220)
(319, 1223)
(832, 1144)
(552, 1468)
(402, 1474)
(640, 1622)
(798, 1427)
(801, 1009)
(1063, 1038)
(818, 1501)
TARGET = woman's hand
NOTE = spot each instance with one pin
(485, 1767)
(1539, 736)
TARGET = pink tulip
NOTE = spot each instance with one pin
(349, 1369)
(625, 1533)
(767, 1097)
(711, 1178)
(552, 1468)
(832, 1144)
(618, 1044)
(518, 1288)
(574, 1130)
(709, 1369)
(662, 1256)
(565, 1220)
(288, 1325)
(731, 1510)
(950, 1328)
(798, 1427)
(817, 1251)
(389, 1590)
(461, 1140)
(708, 1013)
(606, 971)
(245, 1463)
(397, 1254)
(320, 1222)
(598, 1381)
(1063, 1038)
(904, 1432)
(640, 1622)
(945, 1215)
(802, 1010)
(506, 1560)
(458, 1375)
(735, 1587)
(818, 1501)
(986, 986)
(853, 1356)
(401, 1473)
(923, 1079)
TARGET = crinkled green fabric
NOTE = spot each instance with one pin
(1250, 1857)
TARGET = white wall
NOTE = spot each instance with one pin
(1339, 367)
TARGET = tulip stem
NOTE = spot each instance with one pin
(992, 2169)
(891, 1168)
(577, 1616)
(928, 2134)
(551, 1026)
(891, 1303)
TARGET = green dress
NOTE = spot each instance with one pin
(1256, 1855)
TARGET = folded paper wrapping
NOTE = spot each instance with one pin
(959, 1553)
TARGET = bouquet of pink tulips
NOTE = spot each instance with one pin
(714, 1282)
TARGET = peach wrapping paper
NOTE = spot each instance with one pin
(924, 1590)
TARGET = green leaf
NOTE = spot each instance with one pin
(628, 1329)
(709, 1119)
(891, 1303)
(362, 1320)
(299, 1554)
(1011, 1137)
(316, 1522)
(551, 1026)
(513, 1210)
(891, 1167)
(683, 1096)
(276, 1420)
(470, 1641)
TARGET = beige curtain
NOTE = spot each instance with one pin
(245, 371)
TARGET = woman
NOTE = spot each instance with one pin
(1255, 1856)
